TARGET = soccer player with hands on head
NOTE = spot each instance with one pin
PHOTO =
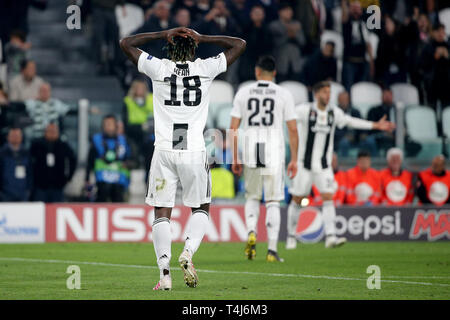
(181, 100)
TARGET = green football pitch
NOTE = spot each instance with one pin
(408, 270)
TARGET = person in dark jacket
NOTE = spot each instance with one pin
(54, 164)
(108, 158)
(435, 63)
(257, 35)
(321, 66)
(15, 169)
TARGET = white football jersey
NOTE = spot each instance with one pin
(263, 108)
(181, 99)
(316, 130)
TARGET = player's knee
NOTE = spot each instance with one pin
(203, 207)
(162, 212)
(327, 197)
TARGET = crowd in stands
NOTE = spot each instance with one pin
(412, 48)
(390, 186)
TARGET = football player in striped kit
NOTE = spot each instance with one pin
(317, 122)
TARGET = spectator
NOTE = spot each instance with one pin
(384, 140)
(15, 169)
(25, 85)
(137, 111)
(106, 34)
(312, 15)
(364, 185)
(53, 164)
(390, 65)
(396, 182)
(159, 20)
(346, 138)
(356, 45)
(340, 180)
(435, 63)
(239, 11)
(190, 6)
(418, 35)
(44, 110)
(14, 16)
(259, 42)
(108, 156)
(218, 21)
(269, 6)
(16, 52)
(183, 18)
(288, 39)
(321, 66)
(433, 185)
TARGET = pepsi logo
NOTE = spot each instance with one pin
(310, 227)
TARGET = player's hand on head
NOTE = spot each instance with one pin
(292, 169)
(195, 35)
(177, 32)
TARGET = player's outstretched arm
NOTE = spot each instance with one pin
(234, 46)
(129, 45)
(384, 125)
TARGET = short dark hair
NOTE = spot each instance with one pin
(363, 154)
(438, 26)
(14, 127)
(18, 34)
(24, 64)
(267, 63)
(320, 85)
(109, 116)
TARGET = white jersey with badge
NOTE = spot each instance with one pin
(263, 108)
(316, 130)
(181, 99)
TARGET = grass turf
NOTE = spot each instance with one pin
(409, 270)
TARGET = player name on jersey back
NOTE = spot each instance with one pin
(263, 108)
(181, 99)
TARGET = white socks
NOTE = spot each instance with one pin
(251, 214)
(329, 217)
(273, 224)
(162, 239)
(293, 214)
(197, 229)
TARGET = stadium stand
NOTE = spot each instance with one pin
(365, 95)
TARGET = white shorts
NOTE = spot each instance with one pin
(303, 181)
(271, 180)
(168, 168)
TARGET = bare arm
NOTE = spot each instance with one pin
(234, 46)
(129, 45)
(293, 145)
(236, 167)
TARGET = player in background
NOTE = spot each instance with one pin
(317, 122)
(181, 100)
(262, 108)
(340, 180)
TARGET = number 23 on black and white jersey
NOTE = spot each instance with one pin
(181, 99)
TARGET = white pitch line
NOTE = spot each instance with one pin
(290, 275)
